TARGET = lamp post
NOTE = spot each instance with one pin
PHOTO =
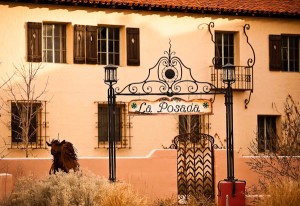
(231, 190)
(229, 79)
(110, 80)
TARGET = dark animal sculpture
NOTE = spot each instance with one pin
(64, 156)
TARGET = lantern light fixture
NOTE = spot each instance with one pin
(110, 73)
(228, 73)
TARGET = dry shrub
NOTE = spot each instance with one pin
(120, 194)
(168, 201)
(70, 189)
(201, 200)
(84, 189)
(193, 200)
(282, 193)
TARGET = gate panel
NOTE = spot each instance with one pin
(195, 164)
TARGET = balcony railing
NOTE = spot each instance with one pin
(243, 78)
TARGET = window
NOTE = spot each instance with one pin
(102, 45)
(224, 51)
(267, 133)
(25, 118)
(46, 42)
(284, 53)
(123, 125)
(189, 124)
(194, 124)
(54, 43)
(103, 122)
(108, 45)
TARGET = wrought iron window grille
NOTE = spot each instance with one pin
(126, 127)
(41, 127)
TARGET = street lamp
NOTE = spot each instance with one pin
(110, 80)
(228, 73)
(110, 74)
(228, 79)
(231, 190)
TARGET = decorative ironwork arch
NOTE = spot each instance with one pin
(169, 77)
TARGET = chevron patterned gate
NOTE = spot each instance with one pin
(195, 164)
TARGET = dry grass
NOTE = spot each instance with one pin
(81, 189)
(120, 194)
(70, 189)
(283, 193)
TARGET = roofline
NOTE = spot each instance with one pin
(163, 8)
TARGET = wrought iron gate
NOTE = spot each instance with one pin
(195, 164)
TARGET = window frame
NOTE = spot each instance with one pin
(88, 45)
(278, 50)
(41, 126)
(111, 52)
(18, 112)
(201, 123)
(62, 37)
(123, 140)
(220, 48)
(289, 52)
(189, 124)
(267, 137)
(120, 119)
(103, 122)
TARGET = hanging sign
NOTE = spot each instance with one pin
(170, 106)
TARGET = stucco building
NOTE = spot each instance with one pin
(71, 41)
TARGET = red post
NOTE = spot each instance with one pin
(231, 193)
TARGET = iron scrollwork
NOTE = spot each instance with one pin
(250, 62)
(168, 77)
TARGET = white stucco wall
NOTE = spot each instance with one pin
(73, 88)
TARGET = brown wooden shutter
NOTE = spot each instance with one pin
(79, 44)
(34, 42)
(91, 44)
(133, 46)
(275, 52)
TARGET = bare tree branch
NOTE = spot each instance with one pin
(23, 95)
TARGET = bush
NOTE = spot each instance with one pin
(76, 188)
(282, 193)
(72, 189)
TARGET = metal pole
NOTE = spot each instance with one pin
(229, 131)
(112, 132)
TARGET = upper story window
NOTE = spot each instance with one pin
(54, 43)
(102, 45)
(284, 53)
(108, 45)
(224, 50)
(46, 42)
(92, 44)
